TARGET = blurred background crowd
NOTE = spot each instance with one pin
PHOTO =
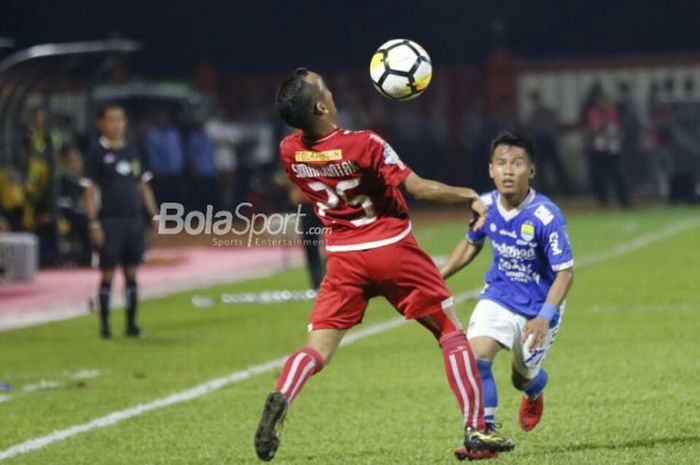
(614, 130)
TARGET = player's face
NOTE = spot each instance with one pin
(113, 123)
(511, 170)
(326, 101)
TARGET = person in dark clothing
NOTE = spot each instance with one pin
(116, 227)
(543, 124)
(604, 145)
(73, 223)
(312, 236)
(199, 154)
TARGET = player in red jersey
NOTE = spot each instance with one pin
(353, 178)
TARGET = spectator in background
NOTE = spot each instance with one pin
(669, 91)
(166, 158)
(594, 93)
(686, 146)
(226, 137)
(631, 124)
(200, 162)
(543, 124)
(689, 90)
(471, 129)
(604, 145)
(41, 140)
(41, 146)
(65, 125)
(258, 161)
(73, 223)
(12, 197)
(659, 140)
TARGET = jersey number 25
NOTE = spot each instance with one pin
(340, 193)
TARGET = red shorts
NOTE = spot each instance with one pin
(401, 272)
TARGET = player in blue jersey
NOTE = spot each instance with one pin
(521, 306)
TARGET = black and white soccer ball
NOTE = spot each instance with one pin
(401, 69)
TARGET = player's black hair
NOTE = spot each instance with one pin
(102, 109)
(296, 98)
(514, 139)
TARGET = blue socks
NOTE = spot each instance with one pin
(537, 385)
(488, 390)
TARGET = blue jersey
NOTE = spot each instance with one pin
(530, 245)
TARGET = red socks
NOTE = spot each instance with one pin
(298, 368)
(460, 367)
(464, 378)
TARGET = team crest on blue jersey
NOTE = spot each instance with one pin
(527, 231)
(493, 227)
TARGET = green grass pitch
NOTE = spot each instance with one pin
(624, 373)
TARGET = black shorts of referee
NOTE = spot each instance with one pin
(124, 242)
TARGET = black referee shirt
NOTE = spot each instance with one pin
(117, 171)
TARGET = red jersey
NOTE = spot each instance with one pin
(352, 178)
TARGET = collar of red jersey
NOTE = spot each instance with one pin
(326, 136)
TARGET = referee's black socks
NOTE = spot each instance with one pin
(131, 301)
(105, 291)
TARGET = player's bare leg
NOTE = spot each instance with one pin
(460, 367)
(532, 405)
(320, 347)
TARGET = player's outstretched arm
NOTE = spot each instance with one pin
(434, 191)
(461, 256)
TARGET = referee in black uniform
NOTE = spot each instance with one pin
(116, 169)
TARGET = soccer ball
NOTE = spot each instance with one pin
(400, 69)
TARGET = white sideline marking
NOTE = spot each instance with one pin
(83, 374)
(5, 397)
(43, 384)
(189, 394)
(638, 243)
(217, 383)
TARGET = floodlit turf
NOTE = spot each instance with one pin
(624, 371)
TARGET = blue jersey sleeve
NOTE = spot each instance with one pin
(555, 241)
(475, 237)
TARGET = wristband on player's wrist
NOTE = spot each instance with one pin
(547, 311)
(95, 224)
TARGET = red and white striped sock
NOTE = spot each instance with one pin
(298, 368)
(464, 378)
